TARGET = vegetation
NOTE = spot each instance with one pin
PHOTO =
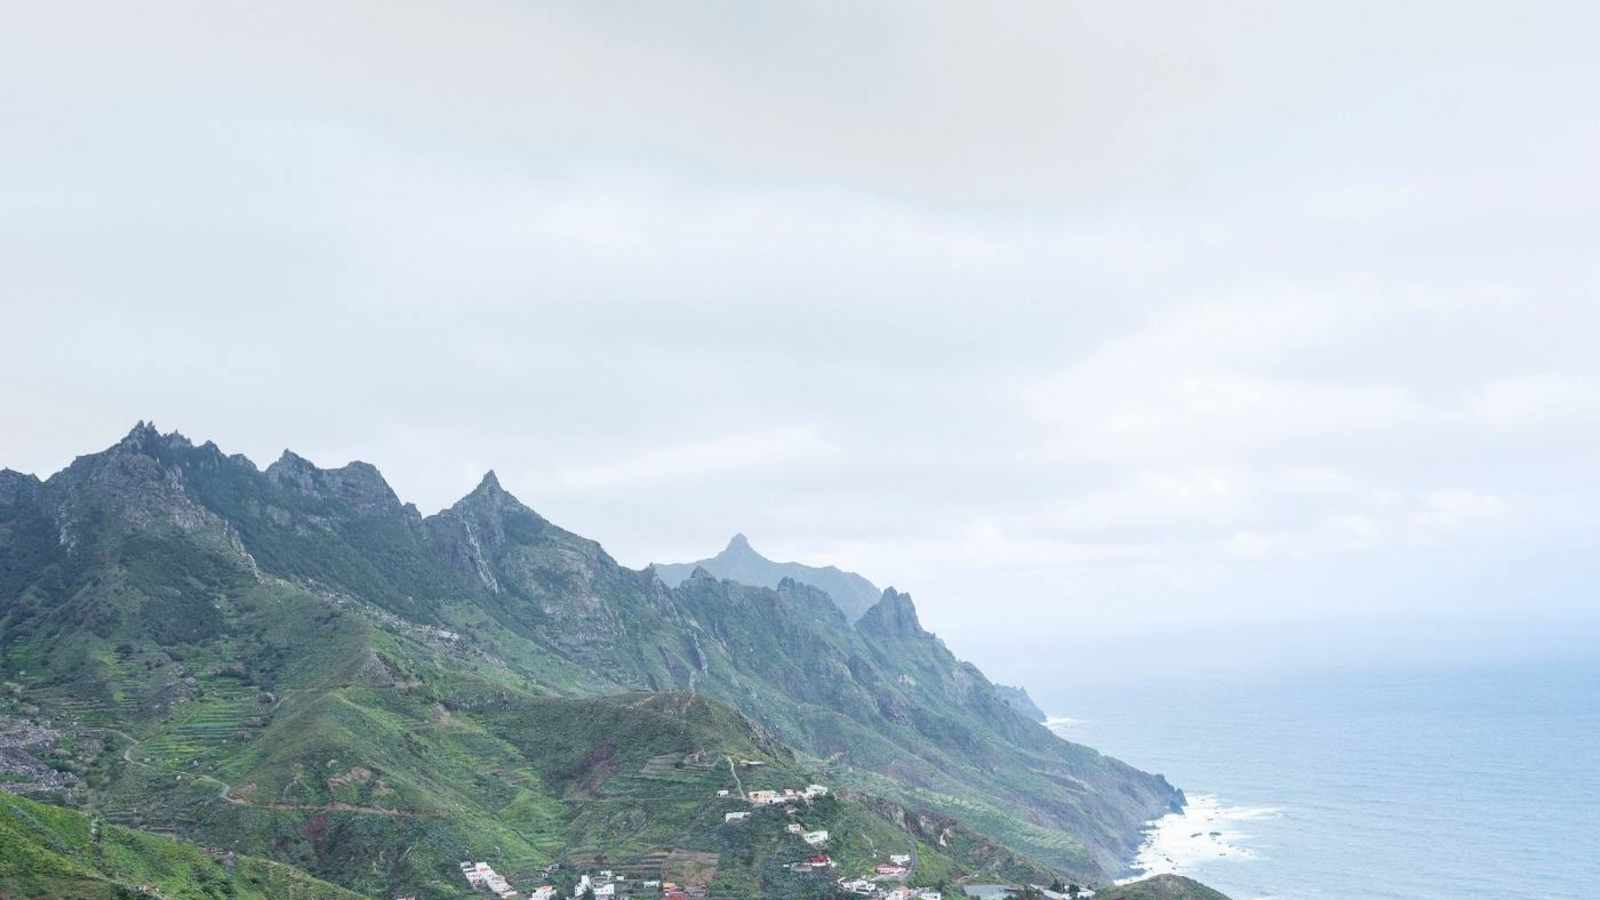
(47, 851)
(294, 665)
(1161, 887)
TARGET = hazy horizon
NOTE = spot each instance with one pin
(1243, 328)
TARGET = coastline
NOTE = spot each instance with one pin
(1204, 832)
(1179, 842)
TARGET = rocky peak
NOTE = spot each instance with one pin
(477, 524)
(140, 432)
(489, 499)
(738, 545)
(16, 486)
(359, 485)
(489, 490)
(291, 466)
(893, 615)
(145, 439)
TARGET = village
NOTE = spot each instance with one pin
(887, 878)
(606, 884)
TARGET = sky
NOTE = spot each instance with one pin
(1252, 331)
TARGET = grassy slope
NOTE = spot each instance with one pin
(375, 753)
(47, 851)
(1161, 887)
(313, 681)
(902, 717)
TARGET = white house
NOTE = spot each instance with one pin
(815, 838)
(722, 793)
(794, 828)
(900, 859)
(814, 790)
(735, 817)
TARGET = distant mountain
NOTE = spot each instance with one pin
(293, 663)
(1017, 698)
(740, 562)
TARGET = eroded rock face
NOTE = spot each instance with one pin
(893, 616)
(565, 585)
(355, 489)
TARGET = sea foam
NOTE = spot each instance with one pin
(1204, 832)
(1177, 842)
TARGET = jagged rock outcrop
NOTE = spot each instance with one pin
(893, 616)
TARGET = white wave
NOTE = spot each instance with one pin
(1177, 842)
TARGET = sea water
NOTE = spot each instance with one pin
(1441, 783)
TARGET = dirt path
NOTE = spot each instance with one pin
(732, 770)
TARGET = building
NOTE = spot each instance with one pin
(762, 798)
(735, 817)
(815, 838)
(930, 895)
(858, 886)
(900, 859)
(794, 828)
(722, 793)
(820, 861)
(483, 876)
(889, 870)
(814, 790)
(543, 892)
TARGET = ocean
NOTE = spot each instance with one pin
(1420, 784)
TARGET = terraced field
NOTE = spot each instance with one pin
(202, 731)
(669, 777)
(126, 704)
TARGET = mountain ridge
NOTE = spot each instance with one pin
(168, 576)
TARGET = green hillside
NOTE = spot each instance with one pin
(47, 851)
(1161, 887)
(294, 664)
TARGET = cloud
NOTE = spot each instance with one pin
(1093, 315)
(697, 460)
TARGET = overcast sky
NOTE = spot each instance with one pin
(1263, 322)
